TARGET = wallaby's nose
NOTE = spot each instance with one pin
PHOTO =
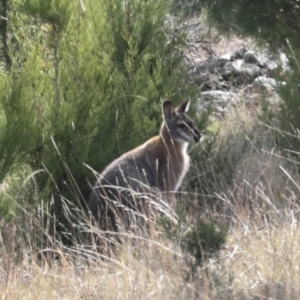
(197, 136)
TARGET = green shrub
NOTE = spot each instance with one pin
(286, 121)
(85, 86)
(202, 242)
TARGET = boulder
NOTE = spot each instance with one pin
(263, 85)
(239, 54)
(251, 58)
(238, 73)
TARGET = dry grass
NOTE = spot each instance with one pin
(265, 261)
(260, 260)
(152, 272)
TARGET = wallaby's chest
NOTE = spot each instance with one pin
(185, 165)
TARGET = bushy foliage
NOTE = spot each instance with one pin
(202, 242)
(85, 85)
(286, 121)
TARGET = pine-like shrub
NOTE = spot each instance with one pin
(86, 85)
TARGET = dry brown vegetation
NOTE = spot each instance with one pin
(260, 259)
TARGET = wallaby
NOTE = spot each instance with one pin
(158, 165)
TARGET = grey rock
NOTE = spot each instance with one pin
(272, 68)
(207, 75)
(264, 85)
(249, 72)
(284, 60)
(218, 97)
(221, 62)
(274, 101)
(219, 101)
(232, 70)
(226, 56)
(234, 65)
(211, 67)
(238, 73)
(200, 79)
(208, 82)
(251, 58)
(239, 54)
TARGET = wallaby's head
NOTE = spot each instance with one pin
(180, 127)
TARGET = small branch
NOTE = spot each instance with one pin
(56, 69)
(3, 32)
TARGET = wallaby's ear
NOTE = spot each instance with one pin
(168, 109)
(184, 106)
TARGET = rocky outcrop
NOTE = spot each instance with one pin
(227, 79)
(227, 71)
